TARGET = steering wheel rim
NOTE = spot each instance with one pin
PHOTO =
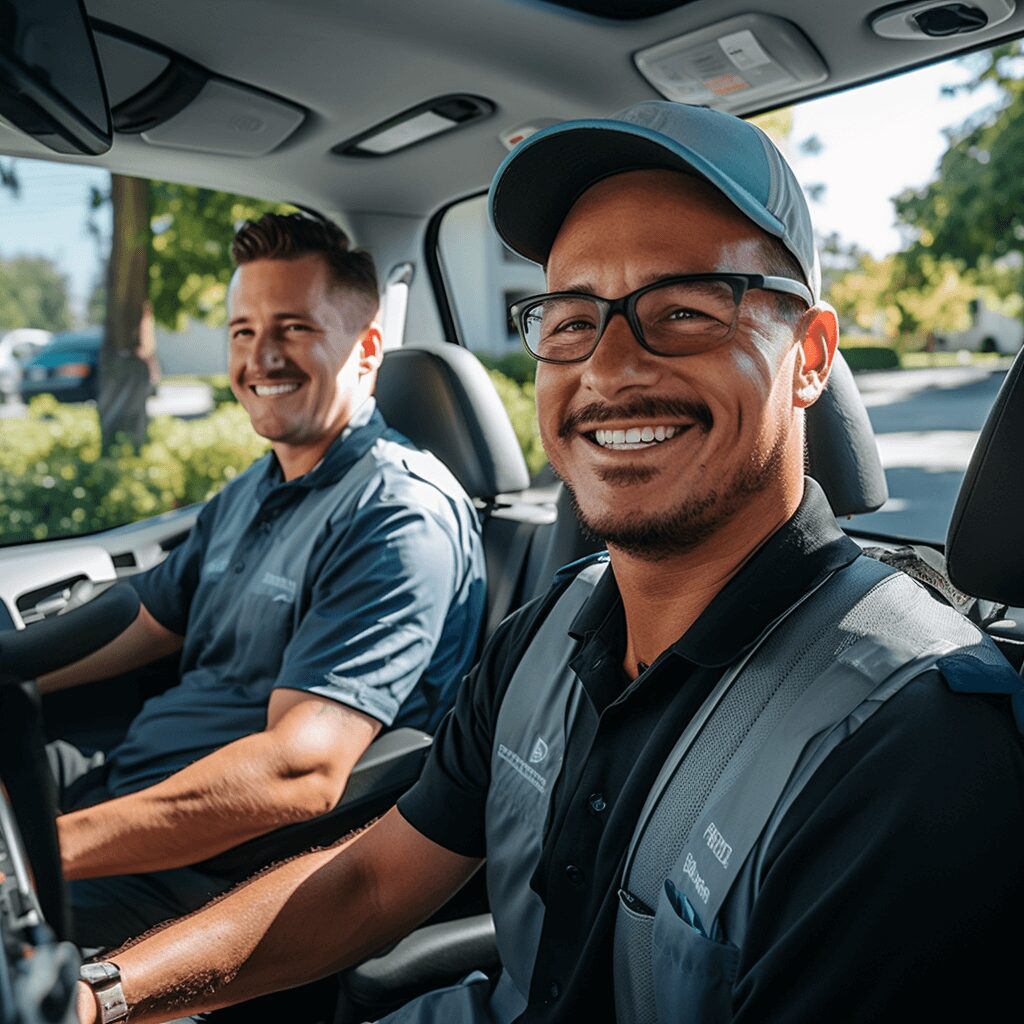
(32, 797)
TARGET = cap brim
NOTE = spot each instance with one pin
(541, 179)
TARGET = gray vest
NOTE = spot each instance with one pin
(694, 866)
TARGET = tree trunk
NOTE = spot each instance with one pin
(124, 376)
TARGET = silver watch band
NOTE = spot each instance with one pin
(104, 979)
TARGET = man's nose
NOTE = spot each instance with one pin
(266, 352)
(620, 362)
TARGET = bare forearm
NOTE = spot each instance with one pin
(144, 641)
(226, 798)
(303, 920)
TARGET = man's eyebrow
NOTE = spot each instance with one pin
(242, 318)
(657, 275)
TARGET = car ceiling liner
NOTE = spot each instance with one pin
(173, 102)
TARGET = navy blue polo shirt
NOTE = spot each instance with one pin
(361, 581)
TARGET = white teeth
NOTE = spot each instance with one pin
(634, 437)
(265, 390)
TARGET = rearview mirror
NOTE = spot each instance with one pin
(51, 86)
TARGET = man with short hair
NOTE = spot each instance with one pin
(333, 589)
(716, 774)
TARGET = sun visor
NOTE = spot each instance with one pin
(175, 103)
(230, 120)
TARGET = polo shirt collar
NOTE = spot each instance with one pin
(800, 554)
(363, 430)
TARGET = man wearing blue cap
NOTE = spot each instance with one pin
(722, 772)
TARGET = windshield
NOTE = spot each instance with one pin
(114, 401)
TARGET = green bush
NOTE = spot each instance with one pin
(871, 357)
(54, 482)
(518, 366)
(520, 404)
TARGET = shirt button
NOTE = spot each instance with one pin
(554, 990)
(596, 803)
(239, 567)
(575, 875)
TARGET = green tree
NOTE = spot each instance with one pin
(33, 293)
(973, 212)
(190, 258)
(170, 245)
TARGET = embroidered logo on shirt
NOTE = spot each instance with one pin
(539, 752)
(717, 844)
(532, 776)
(279, 588)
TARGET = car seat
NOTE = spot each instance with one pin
(981, 557)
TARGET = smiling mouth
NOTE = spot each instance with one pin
(635, 438)
(270, 390)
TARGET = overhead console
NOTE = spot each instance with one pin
(175, 103)
(736, 65)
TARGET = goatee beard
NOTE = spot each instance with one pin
(655, 538)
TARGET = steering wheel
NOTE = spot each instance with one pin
(24, 769)
(29, 810)
(37, 973)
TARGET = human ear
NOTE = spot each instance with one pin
(817, 339)
(371, 349)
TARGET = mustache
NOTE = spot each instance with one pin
(639, 409)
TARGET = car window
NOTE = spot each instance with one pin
(483, 279)
(75, 458)
(915, 187)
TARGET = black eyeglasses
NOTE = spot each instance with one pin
(676, 316)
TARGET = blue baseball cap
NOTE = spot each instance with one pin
(540, 180)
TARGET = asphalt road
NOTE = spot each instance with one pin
(926, 423)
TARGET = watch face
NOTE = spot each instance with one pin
(97, 973)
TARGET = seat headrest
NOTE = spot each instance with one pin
(984, 553)
(841, 451)
(442, 399)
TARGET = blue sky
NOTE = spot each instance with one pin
(877, 140)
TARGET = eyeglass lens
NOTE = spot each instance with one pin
(676, 319)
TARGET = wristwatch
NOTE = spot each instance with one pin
(104, 978)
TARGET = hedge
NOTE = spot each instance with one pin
(871, 357)
(55, 483)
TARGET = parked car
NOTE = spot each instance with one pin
(16, 348)
(68, 368)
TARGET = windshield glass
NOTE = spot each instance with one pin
(114, 400)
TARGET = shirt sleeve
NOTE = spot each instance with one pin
(447, 802)
(167, 589)
(377, 610)
(896, 880)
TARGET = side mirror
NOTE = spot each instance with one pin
(51, 85)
